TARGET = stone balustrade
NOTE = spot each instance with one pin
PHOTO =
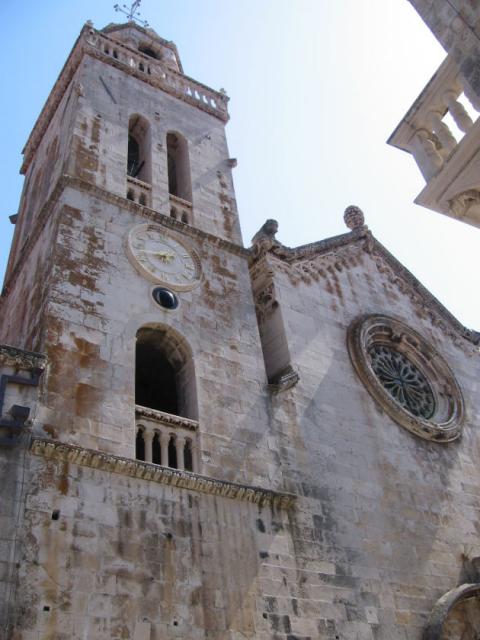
(139, 191)
(181, 209)
(446, 158)
(424, 131)
(155, 71)
(166, 439)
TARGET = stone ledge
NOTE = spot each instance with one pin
(21, 359)
(166, 418)
(155, 473)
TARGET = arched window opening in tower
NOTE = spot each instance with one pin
(155, 379)
(139, 149)
(179, 182)
(148, 51)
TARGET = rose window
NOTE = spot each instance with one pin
(403, 381)
(407, 377)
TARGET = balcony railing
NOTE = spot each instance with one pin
(166, 439)
(445, 158)
(139, 191)
(181, 209)
(173, 81)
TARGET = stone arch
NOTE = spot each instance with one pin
(452, 604)
(179, 179)
(164, 371)
(139, 148)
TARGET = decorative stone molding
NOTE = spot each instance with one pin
(353, 217)
(166, 418)
(171, 81)
(463, 202)
(13, 423)
(312, 262)
(21, 359)
(123, 203)
(407, 377)
(445, 604)
(74, 454)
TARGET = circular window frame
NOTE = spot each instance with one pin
(445, 424)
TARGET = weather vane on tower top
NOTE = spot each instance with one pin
(132, 12)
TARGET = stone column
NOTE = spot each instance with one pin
(434, 119)
(148, 439)
(428, 159)
(164, 440)
(180, 447)
(458, 111)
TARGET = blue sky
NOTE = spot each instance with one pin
(316, 88)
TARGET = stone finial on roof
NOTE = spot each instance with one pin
(353, 217)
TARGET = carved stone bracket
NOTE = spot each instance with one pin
(164, 475)
(18, 359)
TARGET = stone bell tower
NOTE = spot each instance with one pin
(127, 305)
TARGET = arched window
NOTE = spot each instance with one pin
(139, 149)
(179, 183)
(148, 51)
(164, 373)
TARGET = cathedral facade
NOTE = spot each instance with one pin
(206, 441)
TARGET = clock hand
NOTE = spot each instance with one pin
(164, 256)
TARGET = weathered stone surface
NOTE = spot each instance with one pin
(311, 512)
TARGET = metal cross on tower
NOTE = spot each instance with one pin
(132, 12)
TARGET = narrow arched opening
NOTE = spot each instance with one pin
(149, 51)
(179, 180)
(164, 373)
(139, 149)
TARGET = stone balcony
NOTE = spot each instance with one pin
(181, 209)
(447, 156)
(157, 73)
(166, 439)
(139, 191)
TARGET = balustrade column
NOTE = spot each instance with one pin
(458, 111)
(194, 452)
(180, 448)
(434, 119)
(426, 155)
(148, 440)
(164, 440)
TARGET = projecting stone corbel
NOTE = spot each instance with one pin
(13, 422)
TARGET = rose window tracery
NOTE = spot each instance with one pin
(406, 376)
(403, 381)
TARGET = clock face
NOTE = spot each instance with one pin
(163, 258)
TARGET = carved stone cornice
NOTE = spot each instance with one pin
(123, 203)
(75, 454)
(166, 419)
(21, 359)
(310, 262)
(156, 216)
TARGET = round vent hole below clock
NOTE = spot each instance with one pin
(165, 298)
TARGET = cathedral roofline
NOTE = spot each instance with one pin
(386, 263)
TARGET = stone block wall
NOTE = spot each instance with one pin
(384, 520)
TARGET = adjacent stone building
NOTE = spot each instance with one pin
(204, 441)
